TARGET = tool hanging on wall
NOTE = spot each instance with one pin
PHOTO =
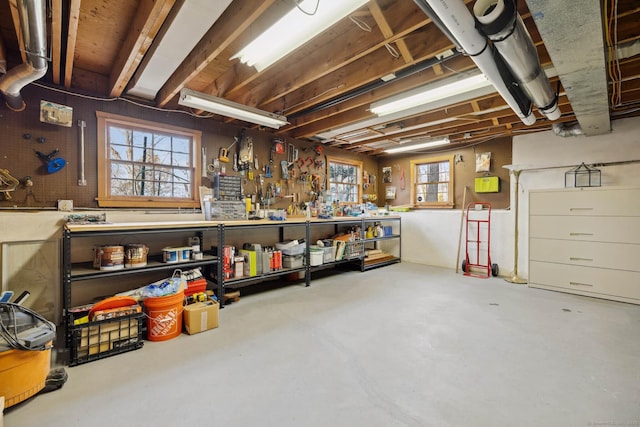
(7, 183)
(246, 150)
(53, 164)
(278, 146)
(284, 165)
(267, 170)
(292, 155)
(223, 154)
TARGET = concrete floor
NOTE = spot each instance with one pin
(404, 345)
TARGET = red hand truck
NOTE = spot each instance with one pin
(477, 260)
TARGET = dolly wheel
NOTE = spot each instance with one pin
(494, 270)
(464, 266)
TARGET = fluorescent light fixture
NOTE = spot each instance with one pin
(295, 29)
(231, 109)
(412, 147)
(428, 94)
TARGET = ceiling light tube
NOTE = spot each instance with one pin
(223, 107)
(295, 29)
(412, 147)
(429, 93)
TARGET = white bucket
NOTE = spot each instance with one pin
(316, 257)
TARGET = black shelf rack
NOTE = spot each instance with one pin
(75, 272)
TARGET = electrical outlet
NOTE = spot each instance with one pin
(65, 205)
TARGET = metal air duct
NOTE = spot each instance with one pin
(460, 28)
(500, 22)
(34, 32)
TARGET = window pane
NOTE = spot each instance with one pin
(142, 139)
(121, 170)
(121, 187)
(432, 182)
(180, 159)
(144, 163)
(181, 145)
(344, 182)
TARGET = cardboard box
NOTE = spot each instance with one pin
(201, 316)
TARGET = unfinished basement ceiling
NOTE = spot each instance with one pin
(326, 87)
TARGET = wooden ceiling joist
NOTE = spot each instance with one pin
(149, 18)
(233, 22)
(72, 36)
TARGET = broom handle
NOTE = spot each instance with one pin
(464, 202)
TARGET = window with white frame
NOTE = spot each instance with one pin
(146, 164)
(432, 182)
(344, 180)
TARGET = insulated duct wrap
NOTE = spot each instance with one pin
(460, 25)
(34, 32)
(499, 20)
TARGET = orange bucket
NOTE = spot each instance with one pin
(164, 316)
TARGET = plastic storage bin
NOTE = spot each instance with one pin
(292, 261)
(291, 248)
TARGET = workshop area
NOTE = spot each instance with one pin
(315, 212)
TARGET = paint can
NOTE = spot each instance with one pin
(108, 257)
(170, 255)
(135, 255)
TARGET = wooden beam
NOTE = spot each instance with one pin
(232, 23)
(387, 32)
(315, 61)
(15, 16)
(74, 19)
(56, 40)
(150, 16)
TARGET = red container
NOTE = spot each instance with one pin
(195, 286)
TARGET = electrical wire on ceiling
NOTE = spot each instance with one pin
(610, 19)
(366, 27)
(361, 24)
(392, 51)
(139, 104)
(297, 3)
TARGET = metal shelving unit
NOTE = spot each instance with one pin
(234, 227)
(73, 272)
(396, 225)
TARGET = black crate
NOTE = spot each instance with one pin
(97, 340)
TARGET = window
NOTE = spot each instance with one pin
(432, 182)
(344, 180)
(146, 164)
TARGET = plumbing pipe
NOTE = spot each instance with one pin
(454, 15)
(500, 22)
(34, 32)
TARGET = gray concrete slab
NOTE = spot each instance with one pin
(404, 345)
